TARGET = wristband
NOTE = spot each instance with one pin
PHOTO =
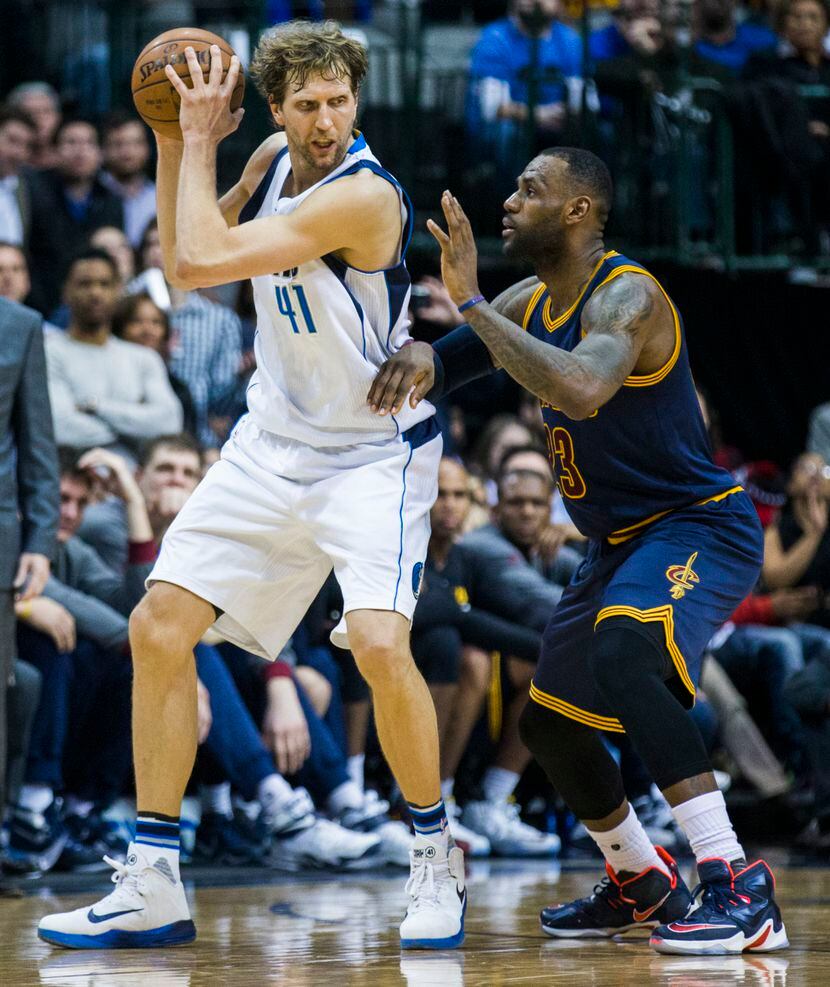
(469, 304)
(24, 610)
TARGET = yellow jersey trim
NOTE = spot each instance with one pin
(665, 615)
(553, 324)
(531, 305)
(574, 712)
(623, 534)
(495, 704)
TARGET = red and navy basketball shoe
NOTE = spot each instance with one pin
(735, 912)
(621, 902)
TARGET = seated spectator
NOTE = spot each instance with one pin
(499, 77)
(126, 157)
(137, 319)
(15, 283)
(818, 435)
(17, 137)
(206, 351)
(75, 633)
(40, 101)
(452, 640)
(797, 545)
(502, 432)
(68, 204)
(721, 39)
(104, 391)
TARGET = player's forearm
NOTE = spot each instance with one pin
(555, 376)
(167, 181)
(201, 230)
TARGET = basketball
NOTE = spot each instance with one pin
(155, 98)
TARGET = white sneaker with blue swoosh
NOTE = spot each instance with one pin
(147, 908)
(438, 897)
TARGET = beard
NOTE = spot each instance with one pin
(537, 246)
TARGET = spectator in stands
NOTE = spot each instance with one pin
(206, 351)
(17, 137)
(500, 77)
(501, 433)
(15, 283)
(126, 156)
(75, 633)
(631, 29)
(797, 545)
(454, 634)
(104, 391)
(138, 319)
(40, 101)
(721, 39)
(68, 204)
(114, 241)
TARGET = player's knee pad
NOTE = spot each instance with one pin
(623, 653)
(542, 730)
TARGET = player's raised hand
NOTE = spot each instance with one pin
(459, 256)
(205, 111)
(412, 368)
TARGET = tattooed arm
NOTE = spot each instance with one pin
(624, 323)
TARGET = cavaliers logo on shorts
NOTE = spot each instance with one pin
(682, 578)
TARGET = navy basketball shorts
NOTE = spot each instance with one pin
(680, 580)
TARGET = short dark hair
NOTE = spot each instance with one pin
(183, 442)
(115, 120)
(13, 114)
(93, 253)
(523, 475)
(71, 121)
(588, 173)
(68, 466)
(535, 447)
(125, 312)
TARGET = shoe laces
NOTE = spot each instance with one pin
(422, 888)
(607, 891)
(126, 879)
(718, 897)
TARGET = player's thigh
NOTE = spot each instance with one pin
(238, 544)
(373, 523)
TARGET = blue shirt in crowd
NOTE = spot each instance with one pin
(503, 52)
(749, 39)
(607, 42)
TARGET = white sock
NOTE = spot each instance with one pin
(447, 788)
(499, 784)
(706, 823)
(77, 807)
(217, 798)
(35, 798)
(273, 790)
(345, 796)
(354, 766)
(627, 847)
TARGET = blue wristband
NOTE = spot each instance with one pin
(473, 301)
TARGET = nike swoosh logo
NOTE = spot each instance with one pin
(644, 916)
(95, 919)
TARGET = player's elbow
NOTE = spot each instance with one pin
(188, 274)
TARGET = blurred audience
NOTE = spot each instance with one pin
(17, 137)
(126, 159)
(40, 101)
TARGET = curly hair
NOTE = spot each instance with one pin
(291, 52)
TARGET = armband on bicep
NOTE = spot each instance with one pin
(460, 357)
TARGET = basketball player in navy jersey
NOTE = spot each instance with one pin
(674, 547)
(309, 480)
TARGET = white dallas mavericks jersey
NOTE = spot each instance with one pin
(324, 329)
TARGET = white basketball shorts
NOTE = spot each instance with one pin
(264, 528)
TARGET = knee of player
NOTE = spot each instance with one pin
(535, 726)
(621, 655)
(155, 631)
(380, 658)
(476, 670)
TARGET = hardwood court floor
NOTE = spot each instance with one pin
(341, 931)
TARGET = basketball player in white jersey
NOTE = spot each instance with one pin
(311, 477)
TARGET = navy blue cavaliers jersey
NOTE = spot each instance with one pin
(646, 451)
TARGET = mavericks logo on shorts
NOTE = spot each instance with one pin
(417, 578)
(682, 578)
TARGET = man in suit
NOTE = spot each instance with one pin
(28, 484)
(17, 139)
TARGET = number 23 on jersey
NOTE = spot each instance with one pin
(561, 449)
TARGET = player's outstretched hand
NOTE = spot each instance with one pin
(459, 256)
(412, 368)
(206, 108)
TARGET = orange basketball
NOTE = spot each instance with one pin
(155, 98)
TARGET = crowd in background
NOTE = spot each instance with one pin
(145, 382)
